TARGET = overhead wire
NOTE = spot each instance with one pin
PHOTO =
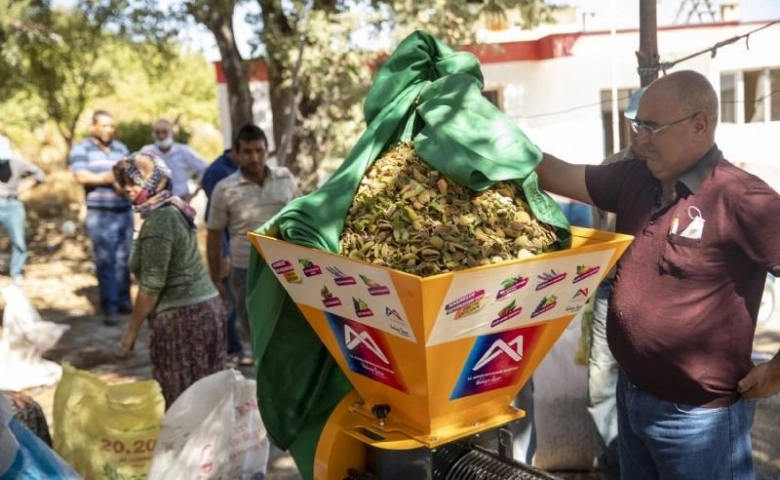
(665, 66)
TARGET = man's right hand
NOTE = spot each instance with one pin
(224, 268)
(222, 293)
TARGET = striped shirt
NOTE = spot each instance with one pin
(86, 156)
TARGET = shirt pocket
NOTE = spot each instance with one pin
(682, 257)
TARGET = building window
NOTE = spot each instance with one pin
(728, 98)
(495, 96)
(774, 92)
(750, 96)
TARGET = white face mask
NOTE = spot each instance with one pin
(165, 143)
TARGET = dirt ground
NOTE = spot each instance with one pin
(61, 284)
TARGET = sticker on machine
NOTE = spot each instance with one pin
(507, 296)
(366, 351)
(338, 285)
(496, 361)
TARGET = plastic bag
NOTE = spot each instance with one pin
(213, 431)
(24, 456)
(566, 438)
(106, 431)
(26, 337)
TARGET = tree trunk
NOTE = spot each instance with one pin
(647, 56)
(218, 18)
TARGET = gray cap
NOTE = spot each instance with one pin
(5, 148)
(633, 104)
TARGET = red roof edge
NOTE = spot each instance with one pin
(551, 46)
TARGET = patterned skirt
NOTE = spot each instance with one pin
(187, 344)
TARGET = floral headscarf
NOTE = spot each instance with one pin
(155, 190)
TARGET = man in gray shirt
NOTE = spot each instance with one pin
(12, 214)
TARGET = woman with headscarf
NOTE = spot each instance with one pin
(175, 294)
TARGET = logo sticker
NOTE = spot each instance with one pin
(584, 271)
(397, 324)
(511, 285)
(366, 351)
(340, 277)
(547, 304)
(465, 305)
(361, 308)
(286, 269)
(309, 268)
(328, 299)
(506, 313)
(393, 314)
(374, 288)
(548, 278)
(495, 361)
(581, 293)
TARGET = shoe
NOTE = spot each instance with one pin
(239, 360)
(110, 320)
(126, 309)
(18, 280)
(246, 361)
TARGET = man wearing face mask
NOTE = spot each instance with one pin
(13, 171)
(109, 215)
(183, 162)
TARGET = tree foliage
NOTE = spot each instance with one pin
(66, 62)
(319, 68)
(217, 17)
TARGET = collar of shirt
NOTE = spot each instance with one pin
(268, 176)
(694, 177)
(690, 181)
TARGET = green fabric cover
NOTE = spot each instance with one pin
(425, 92)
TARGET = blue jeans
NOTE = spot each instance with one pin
(602, 381)
(665, 440)
(111, 233)
(13, 218)
(234, 345)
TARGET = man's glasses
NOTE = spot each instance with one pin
(651, 129)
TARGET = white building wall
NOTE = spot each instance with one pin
(261, 112)
(557, 102)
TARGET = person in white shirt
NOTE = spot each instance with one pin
(242, 202)
(183, 162)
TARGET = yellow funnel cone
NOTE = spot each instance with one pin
(437, 358)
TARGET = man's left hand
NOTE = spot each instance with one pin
(762, 381)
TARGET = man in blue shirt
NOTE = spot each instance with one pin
(222, 167)
(109, 214)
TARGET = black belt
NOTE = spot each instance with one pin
(9, 197)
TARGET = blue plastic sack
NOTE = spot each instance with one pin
(24, 456)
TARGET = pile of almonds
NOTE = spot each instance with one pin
(407, 216)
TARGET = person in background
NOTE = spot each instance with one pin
(222, 167)
(109, 215)
(181, 159)
(602, 367)
(577, 213)
(13, 171)
(240, 203)
(175, 294)
(686, 294)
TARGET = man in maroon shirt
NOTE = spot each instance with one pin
(683, 309)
